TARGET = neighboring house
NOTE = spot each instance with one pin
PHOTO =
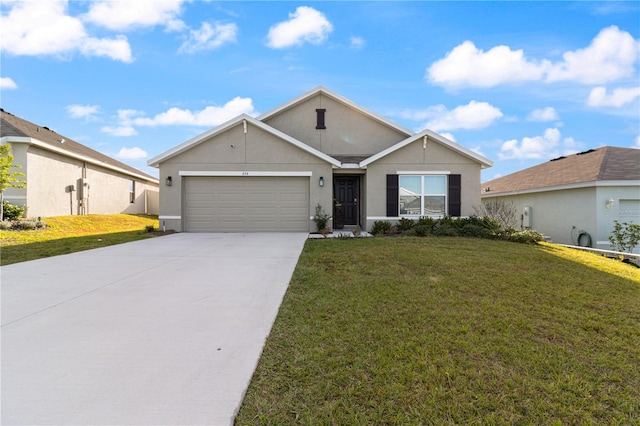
(269, 173)
(67, 178)
(575, 199)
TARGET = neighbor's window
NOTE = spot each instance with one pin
(132, 191)
(423, 195)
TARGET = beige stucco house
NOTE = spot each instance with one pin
(269, 173)
(65, 177)
(575, 199)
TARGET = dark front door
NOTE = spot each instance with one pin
(347, 194)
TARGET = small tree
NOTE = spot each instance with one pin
(625, 236)
(8, 178)
(502, 211)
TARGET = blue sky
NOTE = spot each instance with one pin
(518, 82)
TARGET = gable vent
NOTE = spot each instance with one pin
(320, 118)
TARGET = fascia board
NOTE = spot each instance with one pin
(484, 161)
(579, 185)
(323, 90)
(48, 147)
(155, 162)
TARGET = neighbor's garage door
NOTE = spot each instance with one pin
(245, 204)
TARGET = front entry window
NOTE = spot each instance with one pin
(422, 195)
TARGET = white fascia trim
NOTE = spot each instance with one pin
(242, 173)
(423, 173)
(591, 184)
(323, 90)
(169, 217)
(45, 146)
(155, 161)
(485, 163)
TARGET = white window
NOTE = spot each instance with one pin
(132, 191)
(423, 195)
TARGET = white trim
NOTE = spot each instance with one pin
(383, 217)
(484, 161)
(422, 173)
(241, 119)
(169, 217)
(241, 173)
(48, 147)
(14, 197)
(324, 91)
(591, 184)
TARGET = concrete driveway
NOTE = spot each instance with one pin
(164, 331)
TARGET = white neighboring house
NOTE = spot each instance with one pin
(65, 177)
(575, 199)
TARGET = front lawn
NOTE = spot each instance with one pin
(451, 331)
(68, 234)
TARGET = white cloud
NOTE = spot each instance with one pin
(125, 123)
(209, 37)
(619, 97)
(7, 83)
(210, 116)
(356, 43)
(549, 145)
(637, 143)
(44, 28)
(134, 153)
(125, 15)
(304, 25)
(449, 136)
(610, 56)
(466, 65)
(544, 114)
(119, 130)
(82, 111)
(474, 115)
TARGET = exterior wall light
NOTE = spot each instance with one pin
(168, 181)
(610, 203)
(321, 181)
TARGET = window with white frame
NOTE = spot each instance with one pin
(424, 195)
(132, 191)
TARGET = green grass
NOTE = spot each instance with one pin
(451, 331)
(68, 234)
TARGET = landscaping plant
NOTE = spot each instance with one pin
(625, 236)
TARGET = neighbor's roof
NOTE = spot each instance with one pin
(603, 164)
(14, 129)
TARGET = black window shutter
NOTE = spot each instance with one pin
(393, 193)
(455, 192)
(320, 119)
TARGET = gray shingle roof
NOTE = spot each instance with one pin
(11, 125)
(606, 163)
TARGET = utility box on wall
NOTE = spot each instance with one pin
(526, 217)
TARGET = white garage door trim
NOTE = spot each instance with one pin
(187, 173)
(246, 203)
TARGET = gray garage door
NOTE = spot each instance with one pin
(246, 204)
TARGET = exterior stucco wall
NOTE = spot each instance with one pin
(348, 132)
(556, 213)
(234, 150)
(49, 176)
(413, 157)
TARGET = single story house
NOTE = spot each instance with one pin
(65, 177)
(575, 199)
(269, 173)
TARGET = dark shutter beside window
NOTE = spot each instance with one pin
(455, 191)
(393, 195)
(320, 119)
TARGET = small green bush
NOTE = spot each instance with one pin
(446, 230)
(11, 211)
(28, 225)
(404, 224)
(149, 228)
(422, 230)
(381, 227)
(321, 219)
(625, 236)
(426, 221)
(475, 231)
(5, 225)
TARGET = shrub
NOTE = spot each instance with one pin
(625, 236)
(502, 211)
(11, 211)
(525, 237)
(446, 230)
(404, 224)
(381, 227)
(422, 230)
(27, 225)
(321, 219)
(5, 225)
(474, 230)
(149, 228)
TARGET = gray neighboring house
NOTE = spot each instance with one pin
(575, 199)
(65, 177)
(269, 173)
